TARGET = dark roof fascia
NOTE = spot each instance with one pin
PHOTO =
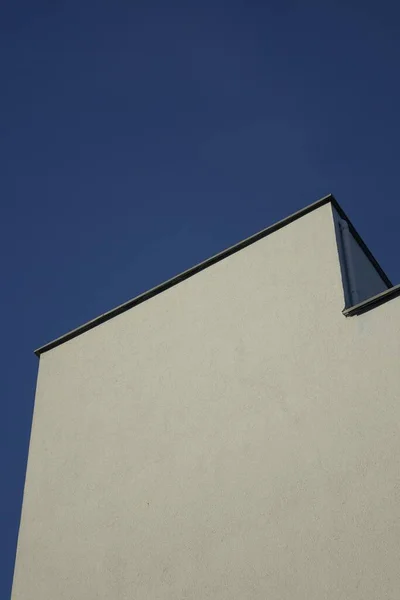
(207, 263)
(361, 243)
(370, 303)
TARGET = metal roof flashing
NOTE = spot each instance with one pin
(373, 302)
(214, 259)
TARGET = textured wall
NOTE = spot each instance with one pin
(234, 437)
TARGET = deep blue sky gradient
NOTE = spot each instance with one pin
(139, 138)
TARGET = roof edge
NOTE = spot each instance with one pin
(373, 302)
(207, 263)
(361, 243)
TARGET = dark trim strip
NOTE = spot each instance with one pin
(370, 303)
(207, 263)
(362, 244)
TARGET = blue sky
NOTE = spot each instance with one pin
(138, 138)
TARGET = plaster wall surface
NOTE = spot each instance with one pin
(233, 437)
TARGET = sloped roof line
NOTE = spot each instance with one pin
(211, 261)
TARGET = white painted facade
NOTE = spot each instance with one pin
(233, 437)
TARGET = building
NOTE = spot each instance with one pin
(232, 434)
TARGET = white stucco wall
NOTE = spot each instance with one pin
(233, 437)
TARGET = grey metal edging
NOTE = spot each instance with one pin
(207, 263)
(373, 302)
(361, 243)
